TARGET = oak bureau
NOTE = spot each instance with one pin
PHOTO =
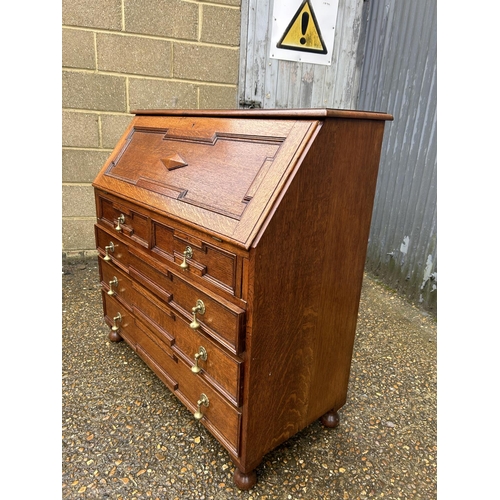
(231, 249)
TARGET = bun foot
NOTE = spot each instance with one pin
(114, 336)
(245, 481)
(330, 419)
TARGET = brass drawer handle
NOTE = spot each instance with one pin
(202, 401)
(188, 253)
(201, 354)
(116, 319)
(120, 220)
(112, 283)
(109, 248)
(198, 309)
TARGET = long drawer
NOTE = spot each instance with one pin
(220, 417)
(209, 361)
(115, 282)
(111, 248)
(155, 354)
(220, 319)
(216, 413)
(205, 356)
(221, 369)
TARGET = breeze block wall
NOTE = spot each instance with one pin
(121, 55)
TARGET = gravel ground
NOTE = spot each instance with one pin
(125, 436)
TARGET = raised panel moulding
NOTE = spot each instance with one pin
(176, 164)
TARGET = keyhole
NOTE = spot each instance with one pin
(305, 22)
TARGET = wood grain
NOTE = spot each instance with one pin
(315, 113)
(275, 207)
(305, 280)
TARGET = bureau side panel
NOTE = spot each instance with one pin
(305, 276)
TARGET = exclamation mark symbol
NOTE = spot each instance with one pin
(305, 22)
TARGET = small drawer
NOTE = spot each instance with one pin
(112, 249)
(220, 319)
(220, 417)
(196, 257)
(124, 220)
(209, 361)
(115, 283)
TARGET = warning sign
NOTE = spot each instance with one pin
(304, 30)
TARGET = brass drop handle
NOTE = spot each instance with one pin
(120, 220)
(202, 401)
(201, 354)
(188, 253)
(109, 248)
(112, 283)
(116, 319)
(198, 309)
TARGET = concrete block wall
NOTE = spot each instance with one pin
(121, 55)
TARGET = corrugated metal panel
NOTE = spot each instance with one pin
(272, 83)
(399, 76)
(384, 59)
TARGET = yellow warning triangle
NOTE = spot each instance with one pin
(303, 32)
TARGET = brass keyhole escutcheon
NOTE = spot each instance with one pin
(120, 220)
(201, 354)
(188, 254)
(107, 249)
(112, 283)
(202, 401)
(116, 319)
(198, 309)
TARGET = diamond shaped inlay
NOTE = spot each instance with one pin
(174, 161)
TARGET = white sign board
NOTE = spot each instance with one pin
(303, 30)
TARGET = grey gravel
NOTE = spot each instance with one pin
(125, 436)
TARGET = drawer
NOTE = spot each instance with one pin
(119, 316)
(125, 220)
(213, 364)
(157, 355)
(220, 417)
(111, 248)
(155, 314)
(115, 283)
(221, 319)
(217, 366)
(195, 256)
